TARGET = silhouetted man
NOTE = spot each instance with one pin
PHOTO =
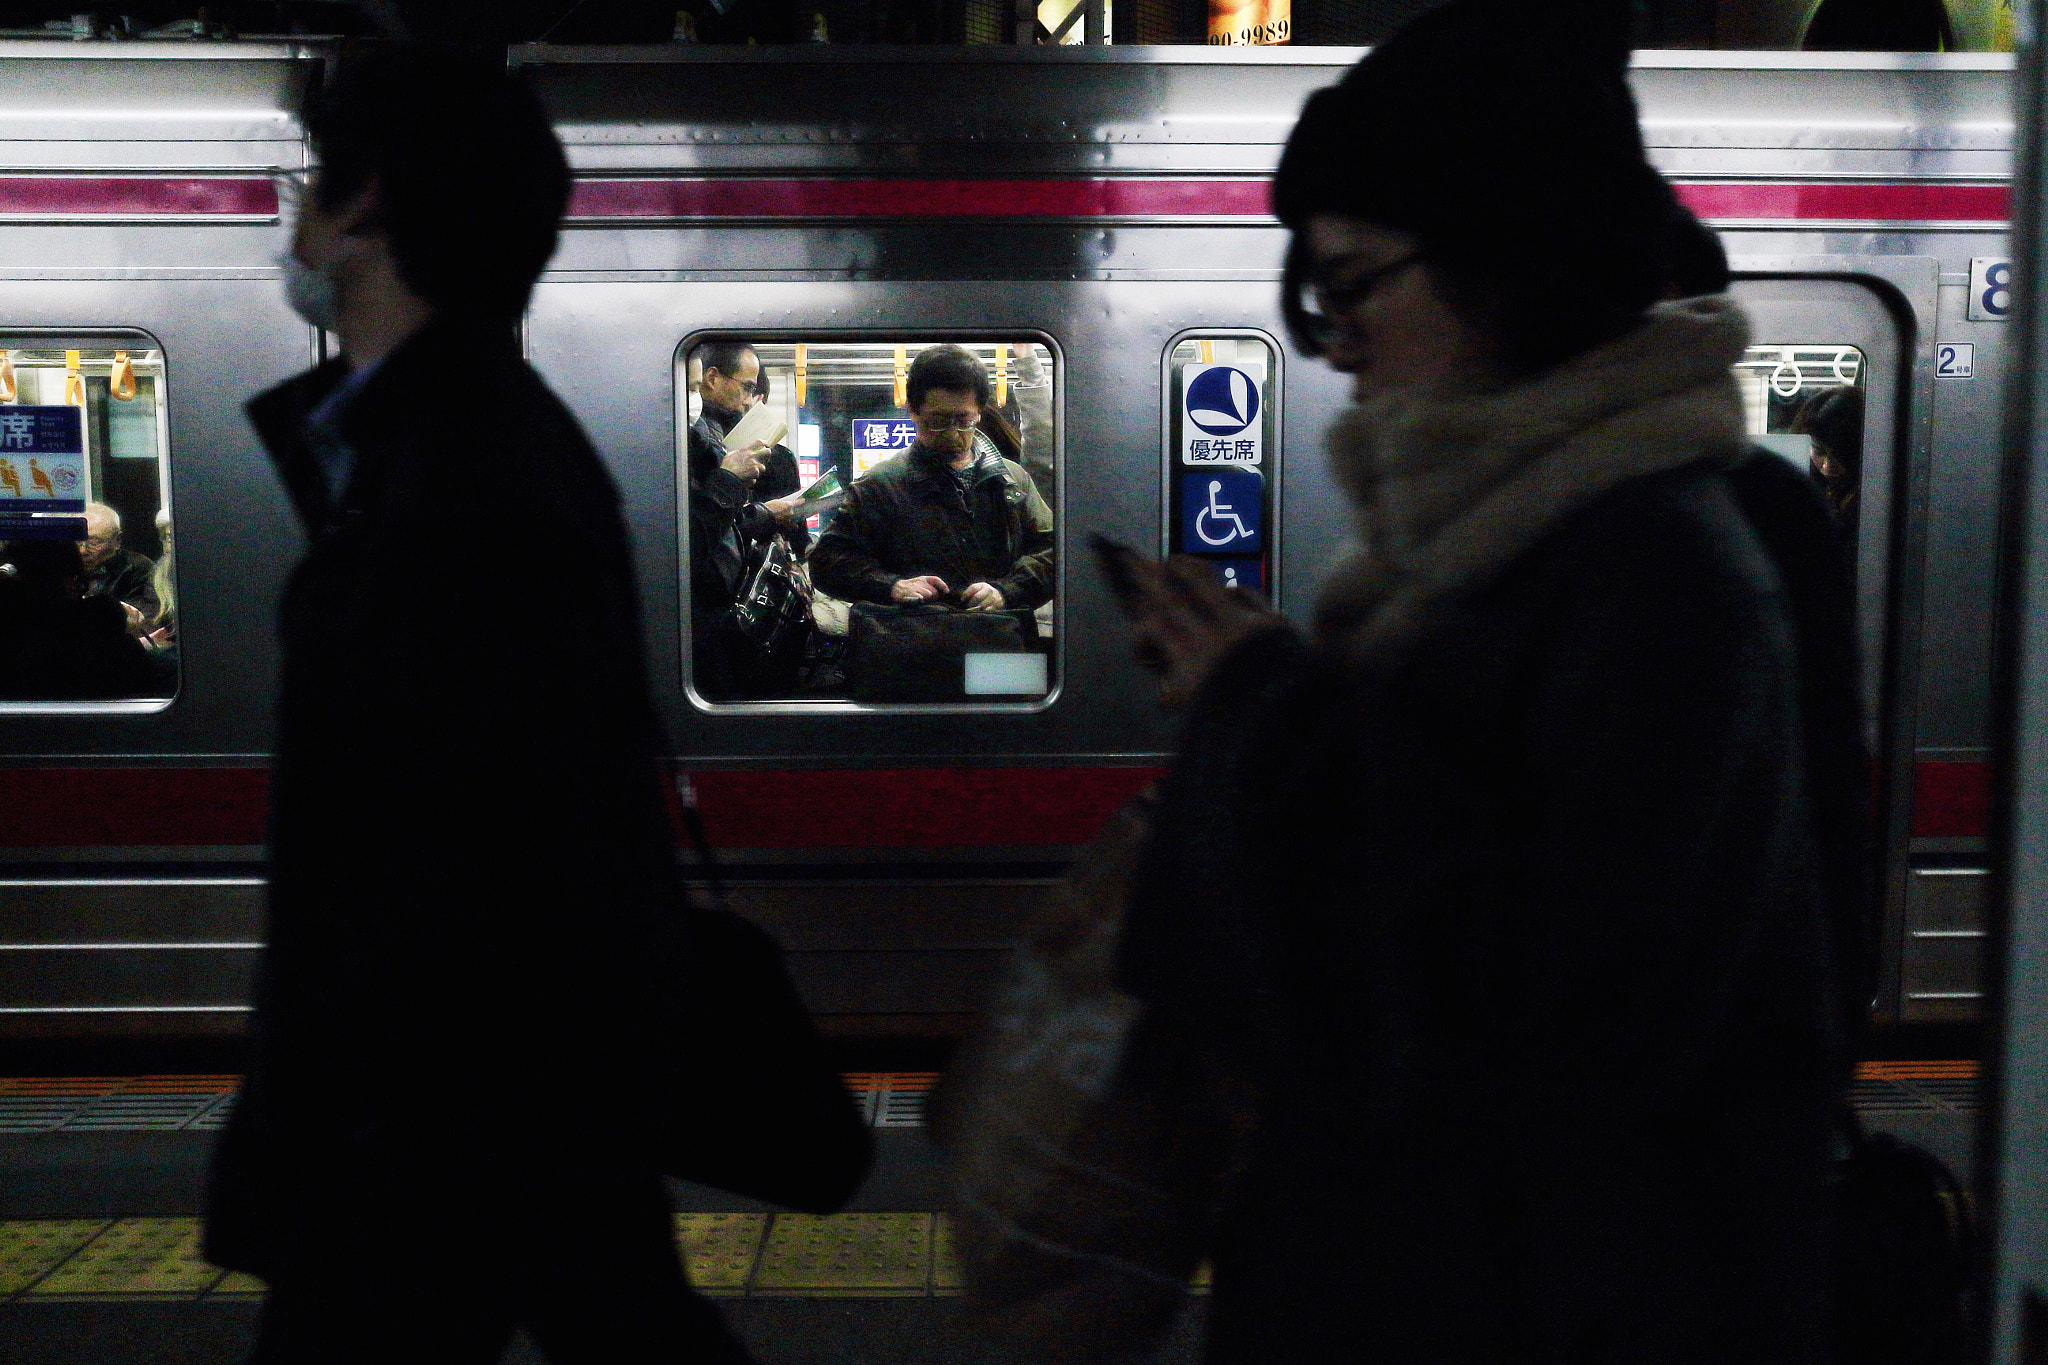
(472, 883)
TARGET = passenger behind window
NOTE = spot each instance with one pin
(780, 477)
(118, 573)
(728, 521)
(161, 629)
(952, 520)
(60, 643)
(1833, 420)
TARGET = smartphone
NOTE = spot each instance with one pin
(1117, 562)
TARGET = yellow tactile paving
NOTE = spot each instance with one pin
(854, 1255)
(945, 1256)
(135, 1257)
(31, 1248)
(719, 1249)
(237, 1285)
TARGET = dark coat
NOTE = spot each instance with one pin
(726, 521)
(908, 518)
(126, 577)
(472, 885)
(60, 648)
(1546, 939)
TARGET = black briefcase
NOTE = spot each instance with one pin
(918, 652)
(764, 1113)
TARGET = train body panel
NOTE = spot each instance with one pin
(1104, 207)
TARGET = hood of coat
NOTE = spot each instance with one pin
(1448, 491)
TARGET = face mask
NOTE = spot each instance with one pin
(311, 293)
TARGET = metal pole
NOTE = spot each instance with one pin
(2013, 1143)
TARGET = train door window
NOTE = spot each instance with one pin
(871, 521)
(1806, 403)
(1222, 425)
(88, 601)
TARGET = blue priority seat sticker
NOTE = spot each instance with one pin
(1222, 511)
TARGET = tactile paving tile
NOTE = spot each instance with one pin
(237, 1285)
(135, 1258)
(720, 1249)
(847, 1255)
(31, 1248)
(946, 1278)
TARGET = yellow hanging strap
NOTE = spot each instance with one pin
(1208, 351)
(803, 369)
(74, 382)
(902, 379)
(1002, 374)
(121, 381)
(7, 387)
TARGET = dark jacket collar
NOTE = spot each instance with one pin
(409, 379)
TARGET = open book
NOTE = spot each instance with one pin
(821, 494)
(756, 424)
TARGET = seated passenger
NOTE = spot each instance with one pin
(58, 643)
(950, 520)
(111, 571)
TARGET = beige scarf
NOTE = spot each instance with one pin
(1449, 491)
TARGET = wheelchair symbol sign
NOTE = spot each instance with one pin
(1221, 510)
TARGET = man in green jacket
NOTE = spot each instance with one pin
(949, 520)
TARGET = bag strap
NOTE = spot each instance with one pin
(693, 825)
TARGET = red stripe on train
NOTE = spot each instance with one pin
(1916, 203)
(912, 807)
(828, 808)
(705, 197)
(137, 196)
(1951, 799)
(659, 197)
(698, 197)
(816, 808)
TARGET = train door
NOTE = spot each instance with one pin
(1831, 382)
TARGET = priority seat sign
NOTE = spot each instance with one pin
(42, 473)
(1220, 416)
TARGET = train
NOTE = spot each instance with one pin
(1094, 222)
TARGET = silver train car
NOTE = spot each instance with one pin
(1094, 223)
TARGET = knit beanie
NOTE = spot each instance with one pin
(1502, 134)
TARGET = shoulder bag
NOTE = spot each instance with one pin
(772, 609)
(761, 1112)
(1089, 1145)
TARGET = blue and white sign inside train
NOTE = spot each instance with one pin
(1219, 416)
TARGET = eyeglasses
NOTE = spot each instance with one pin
(1326, 319)
(958, 421)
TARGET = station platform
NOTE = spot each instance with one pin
(102, 1178)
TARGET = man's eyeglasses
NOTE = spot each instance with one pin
(957, 421)
(1322, 314)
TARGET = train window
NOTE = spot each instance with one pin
(1222, 454)
(88, 603)
(870, 521)
(1806, 403)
